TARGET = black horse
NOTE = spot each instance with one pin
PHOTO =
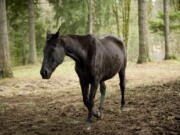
(96, 60)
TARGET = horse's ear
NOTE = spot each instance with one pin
(57, 33)
(48, 34)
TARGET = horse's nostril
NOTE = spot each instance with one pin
(45, 72)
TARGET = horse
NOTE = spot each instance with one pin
(96, 60)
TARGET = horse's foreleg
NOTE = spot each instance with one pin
(85, 90)
(92, 94)
(122, 86)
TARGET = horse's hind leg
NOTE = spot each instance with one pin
(103, 92)
(102, 99)
(122, 86)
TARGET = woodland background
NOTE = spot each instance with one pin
(25, 23)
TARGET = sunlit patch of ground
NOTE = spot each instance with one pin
(30, 105)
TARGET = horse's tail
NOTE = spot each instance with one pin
(124, 49)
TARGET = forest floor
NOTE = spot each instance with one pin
(32, 106)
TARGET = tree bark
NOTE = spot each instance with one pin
(116, 14)
(5, 70)
(143, 32)
(90, 16)
(126, 14)
(175, 4)
(166, 29)
(32, 40)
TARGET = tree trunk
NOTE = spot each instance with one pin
(126, 14)
(143, 32)
(90, 16)
(175, 4)
(5, 70)
(166, 29)
(116, 14)
(32, 40)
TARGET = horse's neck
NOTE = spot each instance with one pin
(74, 49)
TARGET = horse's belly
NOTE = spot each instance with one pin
(111, 66)
(104, 78)
(110, 71)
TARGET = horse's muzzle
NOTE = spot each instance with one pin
(45, 73)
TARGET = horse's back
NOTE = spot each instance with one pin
(113, 44)
(111, 38)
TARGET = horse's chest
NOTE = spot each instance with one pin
(84, 73)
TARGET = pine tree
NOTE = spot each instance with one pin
(143, 37)
(32, 39)
(5, 70)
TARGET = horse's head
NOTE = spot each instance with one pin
(53, 54)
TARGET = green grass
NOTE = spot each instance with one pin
(150, 71)
(33, 71)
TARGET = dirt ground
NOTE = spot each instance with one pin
(55, 107)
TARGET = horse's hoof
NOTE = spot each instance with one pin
(122, 109)
(101, 116)
(96, 114)
(88, 126)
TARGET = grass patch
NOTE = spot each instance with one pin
(33, 71)
(67, 69)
